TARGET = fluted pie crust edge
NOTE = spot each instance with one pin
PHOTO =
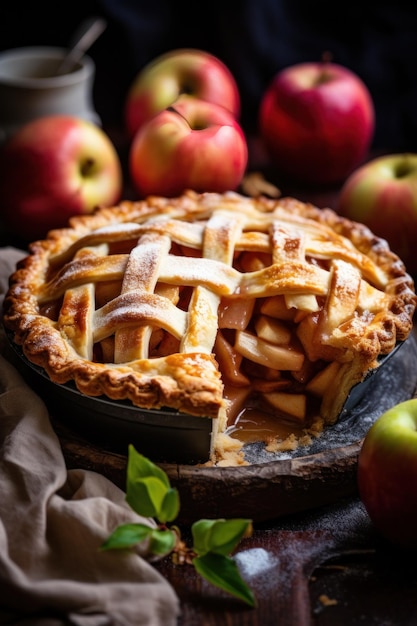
(90, 303)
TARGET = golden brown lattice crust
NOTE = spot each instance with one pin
(174, 302)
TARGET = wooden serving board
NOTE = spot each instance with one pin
(271, 486)
(260, 492)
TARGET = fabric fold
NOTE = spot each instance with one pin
(53, 522)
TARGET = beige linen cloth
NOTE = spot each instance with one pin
(53, 521)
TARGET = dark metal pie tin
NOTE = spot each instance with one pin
(164, 436)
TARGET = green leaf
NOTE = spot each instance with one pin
(148, 489)
(222, 572)
(201, 531)
(162, 541)
(138, 466)
(126, 536)
(226, 534)
(146, 495)
(220, 536)
(170, 506)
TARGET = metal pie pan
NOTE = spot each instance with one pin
(172, 437)
(164, 435)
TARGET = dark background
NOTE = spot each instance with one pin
(255, 38)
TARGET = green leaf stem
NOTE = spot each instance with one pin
(149, 493)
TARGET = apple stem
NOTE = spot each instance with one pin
(172, 109)
(403, 169)
(86, 167)
(326, 57)
(325, 75)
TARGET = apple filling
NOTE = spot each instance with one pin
(266, 370)
(258, 345)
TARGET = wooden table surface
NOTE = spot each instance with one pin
(324, 568)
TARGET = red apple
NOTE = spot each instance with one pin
(383, 195)
(317, 122)
(55, 167)
(192, 145)
(387, 474)
(189, 72)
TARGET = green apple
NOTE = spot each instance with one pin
(387, 474)
(383, 195)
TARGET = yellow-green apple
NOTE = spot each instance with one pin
(55, 167)
(192, 145)
(382, 194)
(183, 72)
(387, 474)
(316, 121)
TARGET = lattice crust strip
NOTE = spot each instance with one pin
(167, 302)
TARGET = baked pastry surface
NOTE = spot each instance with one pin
(204, 302)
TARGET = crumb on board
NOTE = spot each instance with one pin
(293, 441)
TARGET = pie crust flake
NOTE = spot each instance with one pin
(207, 302)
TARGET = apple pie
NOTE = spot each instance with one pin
(209, 303)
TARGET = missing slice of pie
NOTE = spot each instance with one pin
(212, 304)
